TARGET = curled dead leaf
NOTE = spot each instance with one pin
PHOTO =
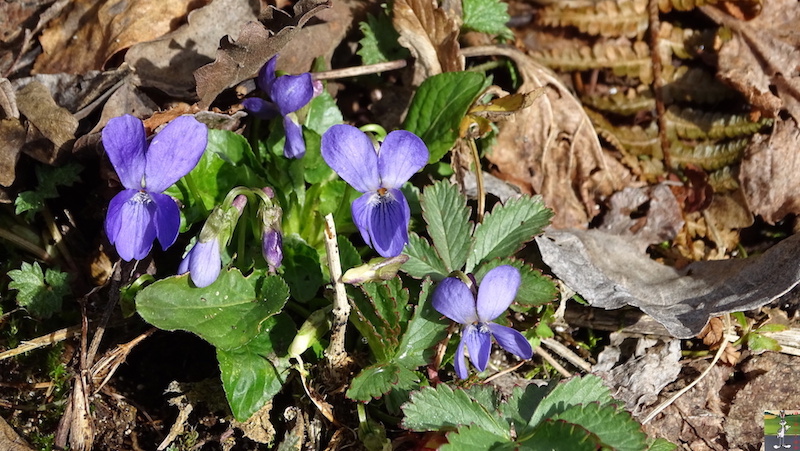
(552, 149)
(241, 59)
(89, 33)
(430, 34)
(761, 54)
(56, 124)
(768, 172)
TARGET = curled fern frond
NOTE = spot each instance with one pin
(682, 5)
(623, 57)
(688, 123)
(708, 155)
(724, 180)
(607, 18)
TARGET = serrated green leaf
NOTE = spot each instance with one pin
(447, 215)
(228, 313)
(579, 390)
(40, 292)
(439, 105)
(49, 178)
(301, 268)
(376, 380)
(434, 409)
(389, 298)
(473, 438)
(519, 407)
(507, 228)
(660, 444)
(535, 289)
(379, 43)
(28, 201)
(424, 330)
(254, 373)
(486, 16)
(372, 327)
(423, 261)
(760, 343)
(615, 428)
(559, 435)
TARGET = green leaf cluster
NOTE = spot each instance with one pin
(400, 335)
(240, 317)
(457, 244)
(40, 292)
(49, 178)
(578, 414)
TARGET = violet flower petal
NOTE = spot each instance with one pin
(292, 92)
(511, 340)
(204, 263)
(388, 223)
(402, 154)
(267, 74)
(113, 222)
(453, 299)
(129, 224)
(361, 210)
(497, 291)
(174, 151)
(167, 219)
(126, 144)
(350, 153)
(260, 108)
(295, 146)
(479, 344)
(459, 362)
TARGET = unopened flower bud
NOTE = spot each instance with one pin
(202, 262)
(272, 248)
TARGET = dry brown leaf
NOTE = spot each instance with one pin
(55, 123)
(242, 59)
(769, 172)
(168, 63)
(12, 137)
(430, 34)
(10, 440)
(661, 221)
(713, 334)
(763, 53)
(552, 149)
(8, 101)
(609, 272)
(319, 39)
(89, 33)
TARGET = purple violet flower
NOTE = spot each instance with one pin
(141, 213)
(203, 263)
(382, 213)
(455, 300)
(289, 93)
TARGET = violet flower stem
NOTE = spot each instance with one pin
(336, 354)
(195, 192)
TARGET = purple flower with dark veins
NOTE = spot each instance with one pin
(289, 93)
(455, 300)
(141, 213)
(382, 213)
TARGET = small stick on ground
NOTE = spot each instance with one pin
(335, 354)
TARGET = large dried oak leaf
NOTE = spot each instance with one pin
(763, 54)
